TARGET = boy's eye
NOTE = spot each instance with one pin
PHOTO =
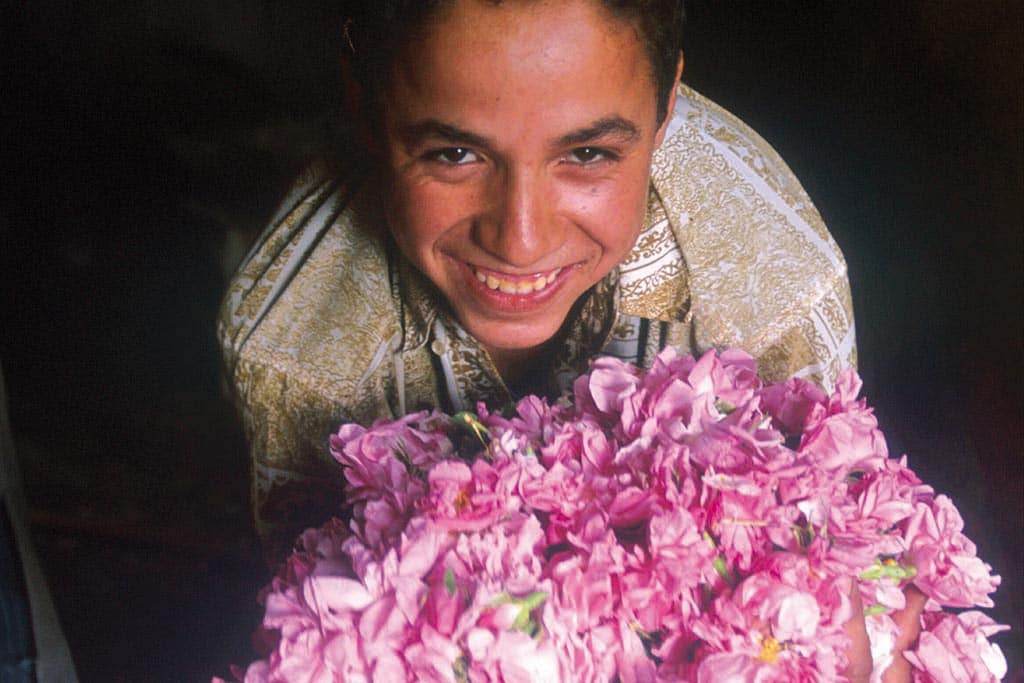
(453, 155)
(587, 155)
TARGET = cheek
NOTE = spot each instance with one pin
(437, 198)
(420, 213)
(613, 215)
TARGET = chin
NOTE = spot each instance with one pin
(517, 338)
(513, 342)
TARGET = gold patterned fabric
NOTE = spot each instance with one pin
(325, 322)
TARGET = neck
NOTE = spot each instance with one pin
(515, 365)
(527, 371)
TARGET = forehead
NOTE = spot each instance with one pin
(537, 56)
(558, 14)
(524, 24)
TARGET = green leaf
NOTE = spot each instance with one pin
(889, 569)
(524, 620)
(804, 536)
(449, 581)
(403, 457)
(460, 667)
(469, 420)
(722, 568)
(534, 600)
(501, 599)
(719, 562)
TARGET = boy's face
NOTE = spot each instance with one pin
(518, 139)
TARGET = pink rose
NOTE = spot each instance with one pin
(455, 503)
(790, 403)
(948, 568)
(610, 382)
(954, 648)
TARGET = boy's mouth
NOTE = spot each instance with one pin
(510, 284)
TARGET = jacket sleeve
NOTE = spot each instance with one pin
(819, 343)
(763, 271)
(294, 483)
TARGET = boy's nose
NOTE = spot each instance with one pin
(520, 226)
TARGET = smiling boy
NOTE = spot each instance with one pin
(535, 189)
(521, 183)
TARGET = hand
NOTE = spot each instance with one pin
(909, 621)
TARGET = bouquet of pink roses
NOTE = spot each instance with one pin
(684, 523)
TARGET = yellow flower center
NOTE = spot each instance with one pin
(462, 500)
(770, 649)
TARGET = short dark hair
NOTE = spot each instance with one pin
(375, 30)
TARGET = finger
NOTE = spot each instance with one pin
(908, 620)
(858, 669)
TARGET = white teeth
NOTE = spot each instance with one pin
(519, 287)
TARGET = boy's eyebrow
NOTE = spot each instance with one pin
(416, 132)
(615, 126)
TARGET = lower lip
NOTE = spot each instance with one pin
(513, 303)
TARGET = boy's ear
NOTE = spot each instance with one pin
(355, 104)
(671, 105)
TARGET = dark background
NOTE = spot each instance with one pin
(146, 142)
